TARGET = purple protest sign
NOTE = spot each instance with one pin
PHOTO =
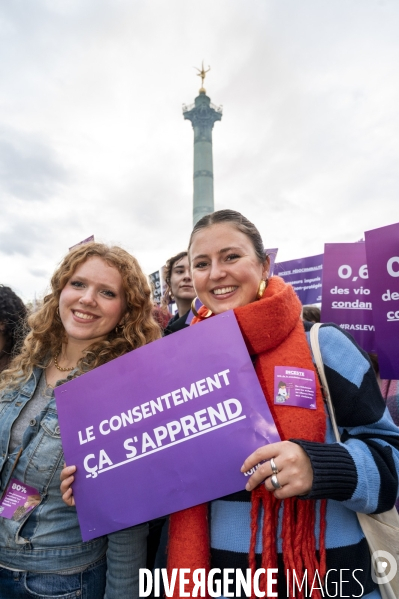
(164, 427)
(18, 500)
(304, 274)
(382, 248)
(346, 294)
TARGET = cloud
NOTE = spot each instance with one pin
(21, 237)
(29, 168)
(92, 138)
(39, 272)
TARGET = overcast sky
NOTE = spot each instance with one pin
(93, 141)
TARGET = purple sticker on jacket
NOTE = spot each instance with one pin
(18, 500)
(294, 387)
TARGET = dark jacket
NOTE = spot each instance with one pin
(176, 323)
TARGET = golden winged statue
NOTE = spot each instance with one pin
(201, 73)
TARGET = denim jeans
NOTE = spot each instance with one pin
(126, 554)
(89, 584)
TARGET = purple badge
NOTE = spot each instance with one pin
(18, 500)
(294, 387)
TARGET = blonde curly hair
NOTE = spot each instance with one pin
(47, 333)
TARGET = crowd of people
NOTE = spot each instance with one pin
(298, 508)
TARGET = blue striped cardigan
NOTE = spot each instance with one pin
(358, 474)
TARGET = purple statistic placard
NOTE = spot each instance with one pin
(164, 427)
(382, 248)
(346, 293)
(305, 275)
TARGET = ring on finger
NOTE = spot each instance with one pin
(274, 481)
(273, 466)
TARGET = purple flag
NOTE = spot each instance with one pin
(87, 240)
(382, 247)
(164, 427)
(346, 293)
(304, 274)
(272, 253)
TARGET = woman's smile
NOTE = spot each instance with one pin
(223, 292)
(85, 316)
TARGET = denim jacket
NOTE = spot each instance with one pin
(48, 538)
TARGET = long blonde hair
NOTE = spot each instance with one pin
(47, 332)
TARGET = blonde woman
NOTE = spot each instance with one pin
(99, 308)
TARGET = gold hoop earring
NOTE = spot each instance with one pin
(194, 310)
(261, 289)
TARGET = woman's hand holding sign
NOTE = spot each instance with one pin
(67, 479)
(285, 459)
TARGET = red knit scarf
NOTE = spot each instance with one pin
(274, 333)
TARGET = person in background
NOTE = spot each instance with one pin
(298, 509)
(390, 393)
(161, 316)
(389, 389)
(99, 308)
(12, 318)
(179, 288)
(311, 313)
